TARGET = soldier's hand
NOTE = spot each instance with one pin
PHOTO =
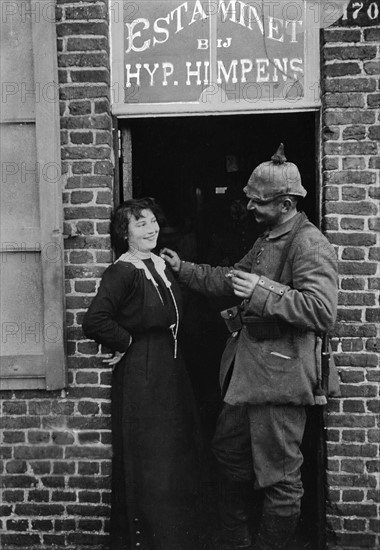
(171, 258)
(243, 283)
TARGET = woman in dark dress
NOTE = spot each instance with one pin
(156, 438)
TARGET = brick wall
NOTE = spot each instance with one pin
(351, 162)
(56, 447)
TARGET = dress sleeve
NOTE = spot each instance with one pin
(101, 320)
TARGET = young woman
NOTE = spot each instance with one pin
(156, 437)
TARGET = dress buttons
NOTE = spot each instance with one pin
(138, 532)
(137, 544)
(258, 261)
(136, 520)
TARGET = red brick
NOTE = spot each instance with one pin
(373, 101)
(352, 224)
(80, 44)
(351, 193)
(360, 208)
(374, 132)
(356, 359)
(372, 34)
(91, 212)
(354, 132)
(349, 391)
(81, 197)
(100, 122)
(373, 315)
(349, 117)
(350, 85)
(353, 284)
(353, 163)
(374, 224)
(350, 149)
(78, 152)
(353, 406)
(86, 13)
(356, 299)
(352, 253)
(353, 495)
(330, 133)
(19, 540)
(80, 138)
(42, 525)
(342, 69)
(94, 75)
(81, 91)
(343, 100)
(338, 35)
(372, 67)
(330, 163)
(81, 168)
(65, 29)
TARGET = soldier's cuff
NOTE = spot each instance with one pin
(264, 287)
(185, 271)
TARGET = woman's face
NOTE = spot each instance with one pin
(143, 231)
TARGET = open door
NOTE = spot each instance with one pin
(196, 168)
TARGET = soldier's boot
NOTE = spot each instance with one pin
(275, 532)
(232, 507)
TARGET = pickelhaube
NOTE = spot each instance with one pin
(275, 178)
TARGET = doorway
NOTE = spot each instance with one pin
(196, 168)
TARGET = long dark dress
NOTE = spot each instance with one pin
(156, 436)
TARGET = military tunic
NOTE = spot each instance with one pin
(280, 370)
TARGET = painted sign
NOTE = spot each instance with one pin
(211, 55)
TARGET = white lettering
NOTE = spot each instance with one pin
(273, 25)
(151, 73)
(132, 35)
(196, 72)
(246, 67)
(252, 12)
(282, 68)
(130, 75)
(168, 69)
(223, 44)
(202, 43)
(178, 15)
(262, 65)
(293, 29)
(231, 6)
(294, 66)
(222, 69)
(198, 10)
(160, 30)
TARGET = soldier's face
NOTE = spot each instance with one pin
(268, 214)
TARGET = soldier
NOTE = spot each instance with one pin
(270, 369)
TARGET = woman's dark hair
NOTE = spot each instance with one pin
(121, 217)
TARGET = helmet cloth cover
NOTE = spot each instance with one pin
(275, 178)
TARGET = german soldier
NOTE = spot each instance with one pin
(270, 369)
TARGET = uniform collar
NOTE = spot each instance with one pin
(282, 229)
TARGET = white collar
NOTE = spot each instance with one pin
(158, 262)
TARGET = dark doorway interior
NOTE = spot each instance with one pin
(196, 168)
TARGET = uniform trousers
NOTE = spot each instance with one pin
(261, 443)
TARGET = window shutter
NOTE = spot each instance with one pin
(31, 271)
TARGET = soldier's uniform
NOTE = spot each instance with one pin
(270, 368)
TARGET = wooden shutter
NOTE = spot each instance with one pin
(31, 264)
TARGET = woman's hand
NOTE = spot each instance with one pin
(112, 361)
(171, 258)
(243, 283)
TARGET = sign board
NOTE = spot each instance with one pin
(208, 56)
